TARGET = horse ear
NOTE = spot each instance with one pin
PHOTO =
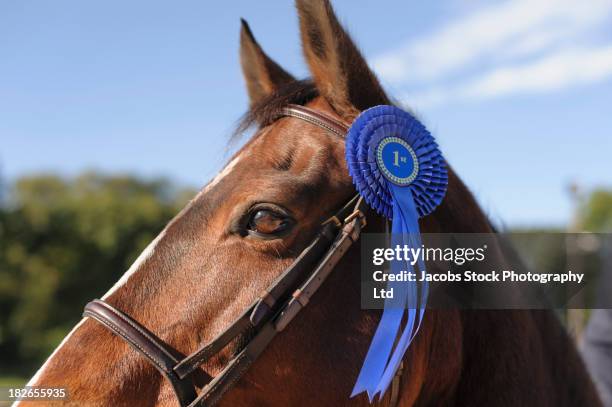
(340, 72)
(262, 75)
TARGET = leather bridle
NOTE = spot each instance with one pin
(268, 315)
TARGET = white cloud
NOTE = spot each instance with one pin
(555, 71)
(494, 34)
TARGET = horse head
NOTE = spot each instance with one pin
(243, 230)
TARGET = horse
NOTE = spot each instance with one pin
(252, 221)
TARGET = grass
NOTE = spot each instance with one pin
(12, 381)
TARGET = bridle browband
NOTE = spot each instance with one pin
(268, 315)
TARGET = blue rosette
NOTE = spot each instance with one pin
(364, 136)
(397, 167)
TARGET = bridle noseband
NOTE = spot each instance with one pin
(268, 315)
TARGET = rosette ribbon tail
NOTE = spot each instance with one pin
(382, 359)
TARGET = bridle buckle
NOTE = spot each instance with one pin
(334, 219)
(356, 214)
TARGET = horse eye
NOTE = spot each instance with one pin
(267, 223)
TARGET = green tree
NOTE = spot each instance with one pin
(596, 212)
(65, 241)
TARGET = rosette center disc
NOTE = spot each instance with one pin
(397, 161)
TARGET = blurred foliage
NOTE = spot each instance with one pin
(64, 242)
(595, 213)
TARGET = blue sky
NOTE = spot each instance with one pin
(518, 93)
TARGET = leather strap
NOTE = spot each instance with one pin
(265, 304)
(318, 119)
(396, 386)
(240, 364)
(269, 314)
(274, 320)
(145, 342)
(349, 234)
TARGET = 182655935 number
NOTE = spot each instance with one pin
(33, 393)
